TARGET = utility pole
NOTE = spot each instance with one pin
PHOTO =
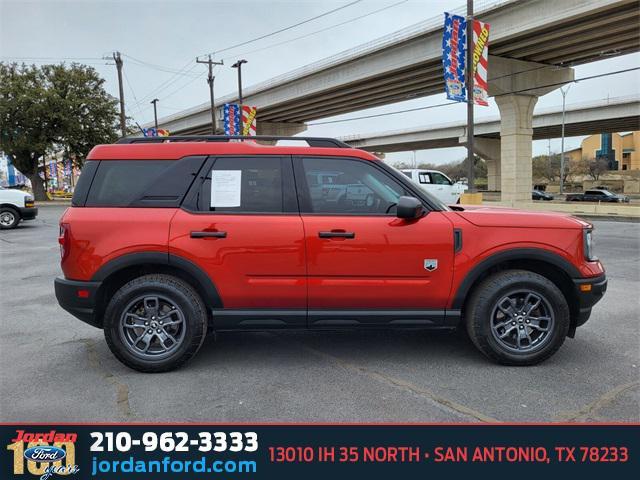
(155, 113)
(123, 121)
(564, 97)
(469, 74)
(210, 80)
(238, 65)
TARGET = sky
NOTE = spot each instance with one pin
(162, 37)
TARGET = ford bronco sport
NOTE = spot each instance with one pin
(170, 238)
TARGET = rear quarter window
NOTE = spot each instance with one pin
(142, 183)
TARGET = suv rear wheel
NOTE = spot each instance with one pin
(517, 317)
(155, 323)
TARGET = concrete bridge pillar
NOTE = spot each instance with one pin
(516, 86)
(516, 131)
(282, 129)
(489, 150)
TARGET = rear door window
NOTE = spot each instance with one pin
(247, 185)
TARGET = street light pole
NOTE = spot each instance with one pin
(469, 81)
(210, 79)
(123, 122)
(238, 65)
(155, 113)
(564, 98)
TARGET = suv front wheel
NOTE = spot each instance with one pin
(155, 323)
(517, 317)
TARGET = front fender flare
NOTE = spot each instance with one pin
(536, 254)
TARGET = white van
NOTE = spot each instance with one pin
(15, 205)
(437, 184)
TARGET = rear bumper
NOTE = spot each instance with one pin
(28, 213)
(587, 299)
(81, 307)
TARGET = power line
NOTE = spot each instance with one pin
(383, 114)
(154, 66)
(558, 84)
(319, 31)
(135, 99)
(52, 58)
(590, 77)
(170, 81)
(286, 28)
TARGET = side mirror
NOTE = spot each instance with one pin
(409, 208)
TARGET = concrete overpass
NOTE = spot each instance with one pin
(618, 114)
(531, 44)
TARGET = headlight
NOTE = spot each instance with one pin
(588, 245)
(28, 201)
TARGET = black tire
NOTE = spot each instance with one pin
(484, 318)
(175, 300)
(9, 218)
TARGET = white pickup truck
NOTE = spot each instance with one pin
(437, 184)
(15, 205)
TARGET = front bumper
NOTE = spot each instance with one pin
(28, 213)
(588, 297)
(79, 299)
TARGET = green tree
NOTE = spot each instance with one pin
(51, 108)
(547, 167)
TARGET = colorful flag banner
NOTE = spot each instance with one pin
(480, 62)
(231, 113)
(454, 48)
(249, 120)
(152, 132)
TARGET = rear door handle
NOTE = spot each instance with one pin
(208, 234)
(337, 234)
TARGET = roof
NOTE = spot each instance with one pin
(176, 150)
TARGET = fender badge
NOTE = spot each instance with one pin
(430, 264)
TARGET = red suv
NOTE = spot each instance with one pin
(168, 239)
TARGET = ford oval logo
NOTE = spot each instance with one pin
(44, 454)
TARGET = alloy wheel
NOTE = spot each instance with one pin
(152, 327)
(522, 321)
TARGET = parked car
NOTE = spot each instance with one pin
(540, 195)
(15, 206)
(597, 196)
(168, 240)
(437, 184)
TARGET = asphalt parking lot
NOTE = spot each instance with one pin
(55, 368)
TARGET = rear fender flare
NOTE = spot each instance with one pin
(212, 297)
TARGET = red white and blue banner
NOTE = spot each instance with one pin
(152, 132)
(249, 120)
(231, 113)
(454, 52)
(480, 62)
(454, 58)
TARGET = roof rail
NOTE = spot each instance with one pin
(311, 141)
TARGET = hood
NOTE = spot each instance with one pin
(11, 193)
(483, 216)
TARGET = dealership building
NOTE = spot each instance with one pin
(621, 151)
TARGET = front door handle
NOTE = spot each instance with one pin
(337, 234)
(208, 234)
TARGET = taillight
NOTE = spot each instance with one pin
(63, 240)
